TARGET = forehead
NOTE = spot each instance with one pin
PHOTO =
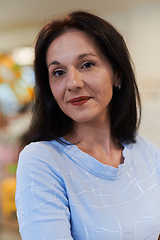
(70, 41)
(70, 34)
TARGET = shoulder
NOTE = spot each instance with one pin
(40, 158)
(39, 163)
(41, 151)
(145, 147)
(152, 147)
(42, 145)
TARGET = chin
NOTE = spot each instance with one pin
(82, 119)
(85, 119)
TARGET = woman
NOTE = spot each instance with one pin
(85, 172)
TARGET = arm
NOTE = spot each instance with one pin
(41, 199)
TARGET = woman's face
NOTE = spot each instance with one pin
(80, 77)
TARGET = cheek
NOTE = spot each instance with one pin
(57, 91)
(104, 85)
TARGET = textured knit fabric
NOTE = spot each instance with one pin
(63, 193)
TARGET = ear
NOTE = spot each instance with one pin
(117, 79)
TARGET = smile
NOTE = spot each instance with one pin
(79, 100)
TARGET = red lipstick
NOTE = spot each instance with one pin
(79, 100)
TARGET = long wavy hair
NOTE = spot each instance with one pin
(48, 120)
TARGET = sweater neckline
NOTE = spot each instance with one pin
(92, 165)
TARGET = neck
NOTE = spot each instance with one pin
(97, 141)
(87, 134)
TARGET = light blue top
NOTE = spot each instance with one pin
(63, 193)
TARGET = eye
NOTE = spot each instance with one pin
(88, 65)
(58, 73)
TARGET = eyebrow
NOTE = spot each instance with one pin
(86, 54)
(54, 63)
(79, 57)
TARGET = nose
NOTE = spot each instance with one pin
(74, 80)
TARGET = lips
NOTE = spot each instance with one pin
(79, 100)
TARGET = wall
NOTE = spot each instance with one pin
(140, 27)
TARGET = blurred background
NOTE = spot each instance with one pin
(20, 20)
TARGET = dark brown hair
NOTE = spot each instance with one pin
(49, 122)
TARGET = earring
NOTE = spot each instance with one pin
(119, 87)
